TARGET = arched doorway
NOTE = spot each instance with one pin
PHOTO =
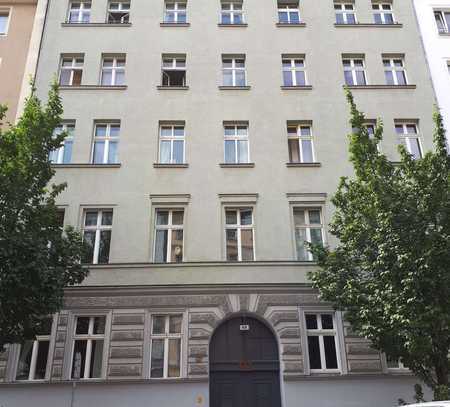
(244, 365)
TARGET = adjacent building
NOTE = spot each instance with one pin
(21, 24)
(434, 22)
(205, 140)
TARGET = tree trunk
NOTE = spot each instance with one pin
(441, 390)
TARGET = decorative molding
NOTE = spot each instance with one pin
(67, 24)
(161, 87)
(238, 198)
(241, 165)
(303, 165)
(159, 165)
(306, 87)
(381, 86)
(396, 25)
(93, 87)
(161, 199)
(233, 25)
(82, 165)
(307, 197)
(234, 87)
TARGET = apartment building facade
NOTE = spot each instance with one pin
(205, 140)
(434, 24)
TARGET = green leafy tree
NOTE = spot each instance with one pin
(390, 271)
(37, 260)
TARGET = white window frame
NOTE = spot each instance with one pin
(169, 227)
(394, 69)
(287, 8)
(73, 67)
(353, 69)
(98, 228)
(175, 11)
(80, 11)
(59, 152)
(308, 226)
(175, 61)
(113, 69)
(234, 69)
(166, 336)
(372, 124)
(345, 12)
(232, 11)
(239, 228)
(299, 137)
(172, 138)
(89, 337)
(407, 137)
(443, 20)
(400, 368)
(235, 138)
(107, 139)
(294, 69)
(119, 10)
(8, 11)
(377, 8)
(321, 333)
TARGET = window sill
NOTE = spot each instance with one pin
(290, 24)
(234, 87)
(306, 87)
(160, 165)
(381, 86)
(174, 24)
(395, 25)
(161, 87)
(93, 87)
(95, 24)
(304, 165)
(232, 25)
(81, 165)
(241, 165)
(444, 33)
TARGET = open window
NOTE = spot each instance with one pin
(173, 71)
(118, 12)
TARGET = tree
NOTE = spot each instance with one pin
(37, 259)
(390, 270)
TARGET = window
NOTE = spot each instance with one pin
(232, 13)
(118, 12)
(322, 342)
(382, 13)
(345, 13)
(175, 12)
(294, 71)
(169, 236)
(239, 234)
(354, 71)
(394, 71)
(88, 344)
(308, 228)
(80, 12)
(442, 21)
(370, 127)
(106, 143)
(409, 137)
(113, 71)
(166, 346)
(233, 70)
(300, 144)
(97, 235)
(174, 71)
(71, 71)
(63, 154)
(34, 354)
(4, 21)
(171, 144)
(288, 13)
(236, 144)
(395, 364)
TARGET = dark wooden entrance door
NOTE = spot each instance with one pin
(244, 365)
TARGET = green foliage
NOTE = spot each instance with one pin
(37, 260)
(390, 271)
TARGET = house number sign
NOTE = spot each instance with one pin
(244, 327)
